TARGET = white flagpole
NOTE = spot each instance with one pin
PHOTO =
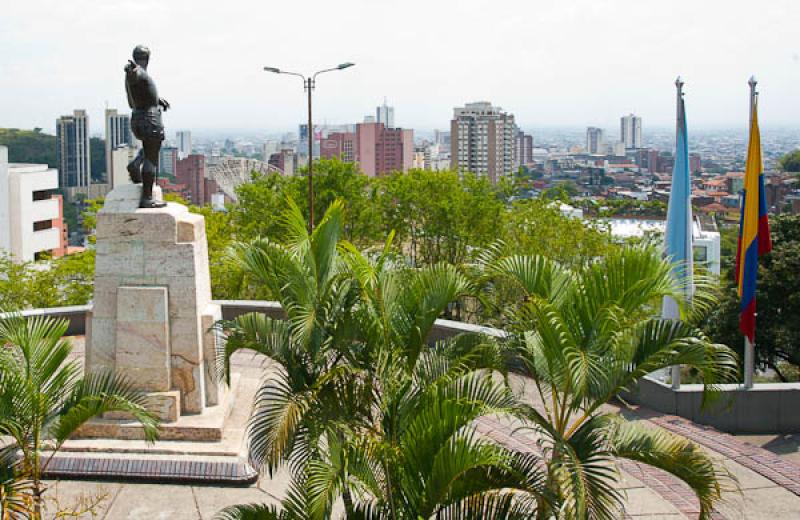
(750, 348)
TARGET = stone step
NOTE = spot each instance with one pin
(152, 468)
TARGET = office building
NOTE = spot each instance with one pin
(285, 161)
(483, 140)
(191, 172)
(184, 144)
(72, 150)
(380, 150)
(524, 149)
(442, 138)
(339, 144)
(630, 131)
(385, 114)
(31, 215)
(168, 161)
(595, 141)
(118, 133)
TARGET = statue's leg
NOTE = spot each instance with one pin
(151, 148)
(135, 167)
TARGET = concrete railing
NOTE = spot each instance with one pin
(767, 408)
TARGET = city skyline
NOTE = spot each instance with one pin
(527, 63)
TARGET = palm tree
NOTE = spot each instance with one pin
(582, 337)
(361, 407)
(44, 399)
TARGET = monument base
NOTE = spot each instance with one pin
(204, 448)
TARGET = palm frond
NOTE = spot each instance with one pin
(675, 455)
(96, 394)
(252, 512)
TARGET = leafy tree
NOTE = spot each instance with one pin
(437, 216)
(44, 399)
(537, 227)
(583, 336)
(48, 283)
(97, 159)
(790, 162)
(777, 298)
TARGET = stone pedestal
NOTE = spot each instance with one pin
(152, 313)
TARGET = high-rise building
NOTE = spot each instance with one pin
(385, 114)
(191, 172)
(483, 140)
(630, 131)
(72, 150)
(595, 141)
(339, 144)
(524, 148)
(442, 138)
(381, 150)
(31, 216)
(184, 143)
(118, 133)
(168, 161)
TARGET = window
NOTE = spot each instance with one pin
(42, 225)
(41, 195)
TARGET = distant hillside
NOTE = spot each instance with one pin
(29, 146)
(33, 146)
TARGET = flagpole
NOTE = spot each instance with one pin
(676, 369)
(750, 348)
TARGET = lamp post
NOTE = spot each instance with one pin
(308, 85)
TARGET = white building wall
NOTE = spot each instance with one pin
(5, 229)
(22, 181)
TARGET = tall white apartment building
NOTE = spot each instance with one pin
(483, 140)
(31, 219)
(595, 141)
(630, 131)
(118, 133)
(184, 144)
(72, 150)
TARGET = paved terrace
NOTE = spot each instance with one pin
(767, 468)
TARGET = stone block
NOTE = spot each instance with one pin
(164, 405)
(212, 339)
(100, 344)
(142, 337)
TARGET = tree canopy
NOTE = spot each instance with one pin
(790, 162)
(29, 146)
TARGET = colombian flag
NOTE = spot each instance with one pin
(754, 238)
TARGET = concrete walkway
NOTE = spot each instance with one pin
(767, 469)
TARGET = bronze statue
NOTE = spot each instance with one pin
(145, 123)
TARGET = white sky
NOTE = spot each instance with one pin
(550, 62)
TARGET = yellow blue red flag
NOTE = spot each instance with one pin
(754, 237)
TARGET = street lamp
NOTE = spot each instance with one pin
(308, 85)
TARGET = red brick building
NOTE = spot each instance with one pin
(339, 144)
(381, 150)
(191, 173)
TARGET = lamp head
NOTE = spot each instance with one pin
(272, 69)
(345, 65)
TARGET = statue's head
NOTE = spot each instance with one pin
(141, 55)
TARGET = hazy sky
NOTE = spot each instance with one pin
(550, 62)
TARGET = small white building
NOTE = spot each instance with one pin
(706, 244)
(31, 219)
